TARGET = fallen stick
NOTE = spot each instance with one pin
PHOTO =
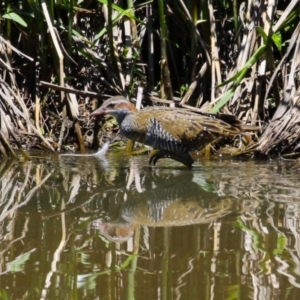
(74, 91)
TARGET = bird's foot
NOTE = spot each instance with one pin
(159, 154)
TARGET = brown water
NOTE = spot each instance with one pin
(86, 228)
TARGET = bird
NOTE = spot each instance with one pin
(173, 132)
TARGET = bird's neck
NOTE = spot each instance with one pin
(119, 114)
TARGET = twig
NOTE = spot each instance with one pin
(194, 84)
(61, 71)
(5, 142)
(158, 100)
(15, 49)
(74, 91)
(18, 112)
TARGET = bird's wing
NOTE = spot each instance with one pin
(186, 125)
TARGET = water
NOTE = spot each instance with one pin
(90, 228)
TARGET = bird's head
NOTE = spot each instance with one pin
(114, 106)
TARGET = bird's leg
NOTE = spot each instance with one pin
(129, 146)
(159, 154)
(130, 150)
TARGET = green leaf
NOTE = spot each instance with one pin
(237, 78)
(126, 12)
(13, 16)
(126, 263)
(281, 244)
(200, 21)
(277, 39)
(257, 238)
(222, 102)
(233, 292)
(119, 9)
(18, 264)
(263, 34)
(3, 294)
(288, 22)
(98, 35)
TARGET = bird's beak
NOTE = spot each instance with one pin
(98, 112)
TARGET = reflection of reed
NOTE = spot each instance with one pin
(274, 181)
(253, 248)
(14, 196)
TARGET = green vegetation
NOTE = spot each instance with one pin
(236, 56)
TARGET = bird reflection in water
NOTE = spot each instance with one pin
(175, 201)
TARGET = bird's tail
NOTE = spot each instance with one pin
(231, 119)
